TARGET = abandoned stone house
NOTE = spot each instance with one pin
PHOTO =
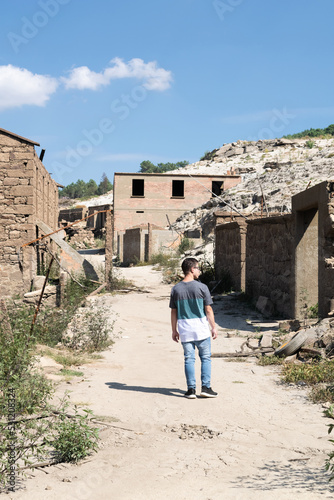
(288, 259)
(28, 195)
(160, 199)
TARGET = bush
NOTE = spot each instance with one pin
(185, 245)
(75, 438)
(90, 332)
(310, 373)
(329, 464)
(270, 360)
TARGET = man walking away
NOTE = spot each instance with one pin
(192, 319)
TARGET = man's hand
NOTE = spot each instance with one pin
(175, 336)
(214, 333)
(211, 320)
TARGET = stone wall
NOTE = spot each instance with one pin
(27, 194)
(258, 255)
(288, 259)
(230, 252)
(269, 261)
(68, 215)
(313, 211)
(326, 304)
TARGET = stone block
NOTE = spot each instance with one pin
(22, 191)
(267, 340)
(221, 151)
(14, 235)
(20, 201)
(10, 181)
(49, 290)
(265, 306)
(8, 249)
(26, 155)
(291, 359)
(21, 174)
(4, 157)
(20, 209)
(250, 149)
(234, 151)
(38, 282)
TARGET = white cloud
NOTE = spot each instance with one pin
(19, 87)
(154, 78)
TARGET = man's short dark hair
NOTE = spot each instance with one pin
(188, 264)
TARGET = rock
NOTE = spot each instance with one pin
(284, 142)
(289, 325)
(250, 149)
(49, 290)
(267, 340)
(291, 359)
(46, 362)
(265, 306)
(223, 149)
(253, 343)
(38, 282)
(234, 151)
(327, 339)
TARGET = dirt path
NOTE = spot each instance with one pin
(257, 440)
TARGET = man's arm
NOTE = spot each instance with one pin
(211, 319)
(175, 334)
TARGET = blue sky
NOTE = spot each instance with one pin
(103, 85)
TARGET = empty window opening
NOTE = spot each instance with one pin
(139, 211)
(178, 189)
(137, 187)
(217, 188)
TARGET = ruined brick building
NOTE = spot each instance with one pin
(28, 195)
(160, 199)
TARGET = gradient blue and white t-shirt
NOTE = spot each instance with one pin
(189, 299)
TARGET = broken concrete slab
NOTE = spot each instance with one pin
(267, 340)
(265, 306)
(70, 259)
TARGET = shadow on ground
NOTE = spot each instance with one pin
(297, 475)
(150, 390)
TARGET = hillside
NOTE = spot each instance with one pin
(282, 167)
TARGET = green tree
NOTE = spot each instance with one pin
(312, 132)
(148, 167)
(105, 185)
(91, 188)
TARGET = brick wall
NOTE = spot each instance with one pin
(27, 194)
(158, 200)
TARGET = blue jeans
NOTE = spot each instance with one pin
(204, 351)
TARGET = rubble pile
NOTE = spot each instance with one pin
(277, 168)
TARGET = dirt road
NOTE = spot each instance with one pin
(257, 440)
